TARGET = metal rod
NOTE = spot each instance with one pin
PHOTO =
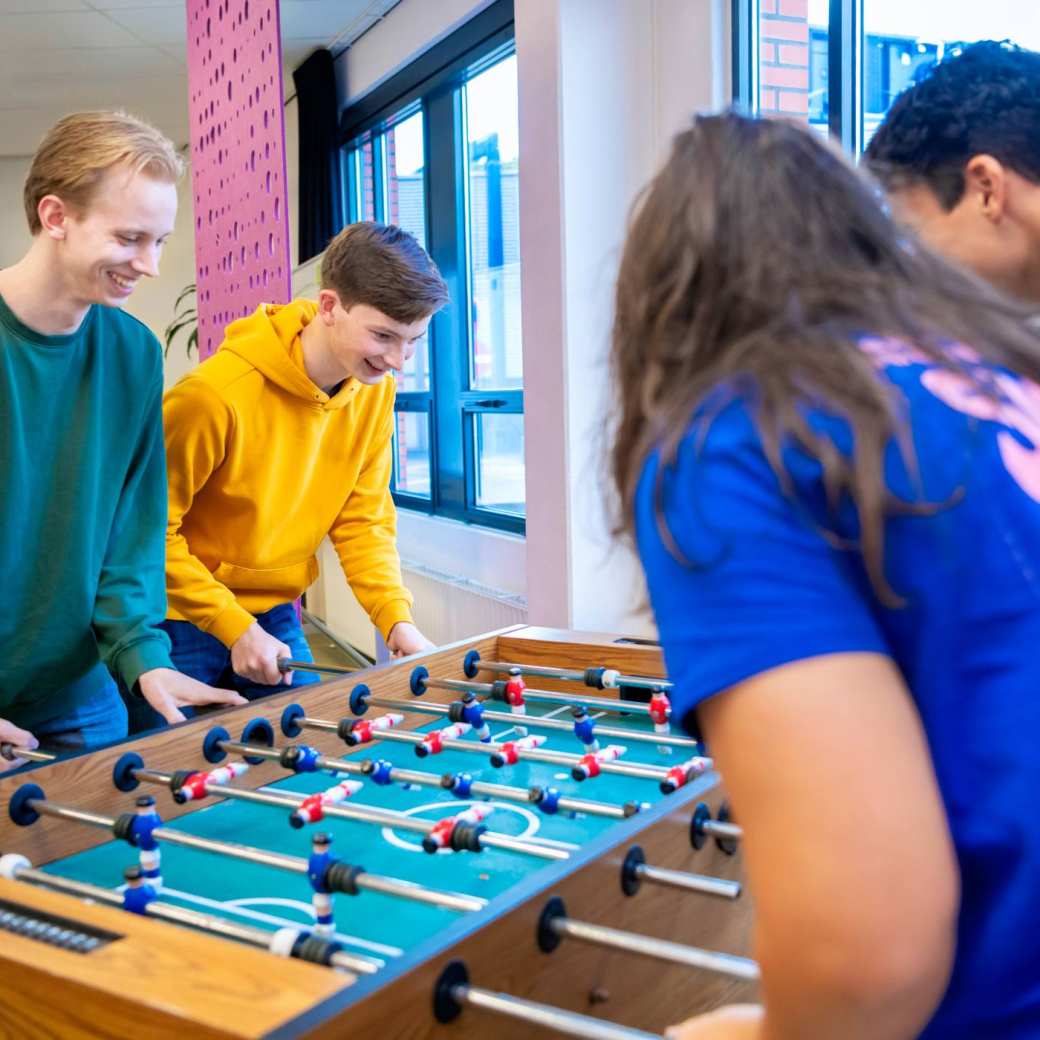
(12, 751)
(185, 916)
(536, 722)
(559, 758)
(689, 882)
(658, 949)
(611, 704)
(614, 678)
(278, 860)
(266, 858)
(398, 775)
(414, 776)
(721, 829)
(45, 808)
(419, 894)
(274, 754)
(558, 1021)
(287, 664)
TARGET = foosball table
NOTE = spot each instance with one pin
(498, 835)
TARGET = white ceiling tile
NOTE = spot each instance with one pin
(154, 25)
(122, 5)
(76, 66)
(96, 94)
(41, 6)
(63, 55)
(74, 29)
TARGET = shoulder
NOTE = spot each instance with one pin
(220, 376)
(722, 436)
(130, 337)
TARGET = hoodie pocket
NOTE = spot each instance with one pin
(287, 582)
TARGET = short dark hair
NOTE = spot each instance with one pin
(983, 101)
(382, 266)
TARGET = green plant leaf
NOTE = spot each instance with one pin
(185, 292)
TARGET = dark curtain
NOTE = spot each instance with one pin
(321, 194)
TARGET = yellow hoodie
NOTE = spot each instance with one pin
(262, 464)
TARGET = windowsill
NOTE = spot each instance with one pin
(492, 558)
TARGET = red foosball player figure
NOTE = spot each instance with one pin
(588, 765)
(508, 753)
(312, 808)
(459, 832)
(363, 731)
(194, 785)
(680, 775)
(433, 742)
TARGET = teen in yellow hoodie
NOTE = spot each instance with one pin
(284, 437)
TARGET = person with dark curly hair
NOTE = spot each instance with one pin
(959, 156)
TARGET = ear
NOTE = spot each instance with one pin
(328, 301)
(54, 216)
(986, 184)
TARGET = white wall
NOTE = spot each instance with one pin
(153, 299)
(410, 29)
(604, 84)
(14, 231)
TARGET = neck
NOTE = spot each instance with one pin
(321, 366)
(1029, 287)
(38, 294)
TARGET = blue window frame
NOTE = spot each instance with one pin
(434, 149)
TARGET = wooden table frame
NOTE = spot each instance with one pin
(160, 980)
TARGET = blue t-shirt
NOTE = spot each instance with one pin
(763, 587)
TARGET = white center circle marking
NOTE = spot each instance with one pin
(531, 819)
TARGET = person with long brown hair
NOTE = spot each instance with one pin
(827, 450)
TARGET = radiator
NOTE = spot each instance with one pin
(449, 608)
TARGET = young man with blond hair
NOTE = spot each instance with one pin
(81, 451)
(284, 437)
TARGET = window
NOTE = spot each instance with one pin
(841, 63)
(435, 150)
(790, 46)
(901, 43)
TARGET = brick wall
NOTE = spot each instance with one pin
(784, 58)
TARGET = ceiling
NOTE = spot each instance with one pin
(59, 56)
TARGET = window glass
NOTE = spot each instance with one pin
(902, 40)
(412, 453)
(366, 181)
(404, 162)
(499, 448)
(492, 133)
(792, 53)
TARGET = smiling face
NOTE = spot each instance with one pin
(364, 342)
(115, 240)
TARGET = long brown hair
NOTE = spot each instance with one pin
(757, 258)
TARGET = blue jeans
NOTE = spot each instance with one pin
(85, 714)
(206, 658)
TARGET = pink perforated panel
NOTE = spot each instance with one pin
(238, 161)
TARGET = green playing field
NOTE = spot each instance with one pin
(372, 923)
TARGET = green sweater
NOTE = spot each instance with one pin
(83, 523)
